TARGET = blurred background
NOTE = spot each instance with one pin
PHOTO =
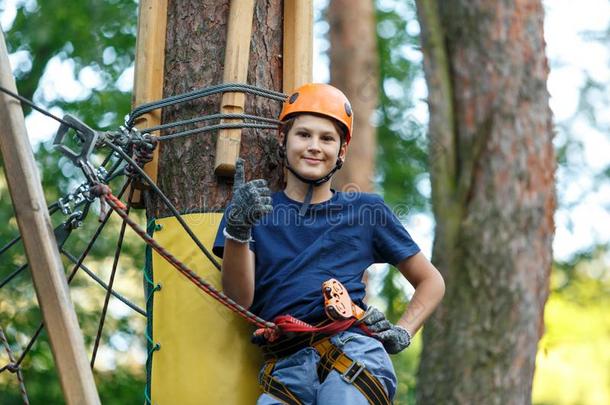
(80, 59)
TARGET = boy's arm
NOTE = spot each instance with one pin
(249, 203)
(238, 272)
(429, 290)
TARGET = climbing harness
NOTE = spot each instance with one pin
(343, 313)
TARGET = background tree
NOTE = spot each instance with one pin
(492, 170)
(186, 165)
(400, 169)
(354, 68)
(401, 158)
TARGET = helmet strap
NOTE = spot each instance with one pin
(307, 202)
(312, 182)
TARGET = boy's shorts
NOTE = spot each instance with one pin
(298, 372)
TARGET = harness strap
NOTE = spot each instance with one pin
(287, 347)
(352, 372)
(331, 358)
(275, 388)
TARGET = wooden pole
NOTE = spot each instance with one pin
(148, 80)
(237, 55)
(46, 267)
(298, 43)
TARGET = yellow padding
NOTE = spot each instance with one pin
(206, 356)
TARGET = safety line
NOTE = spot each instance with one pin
(13, 275)
(30, 344)
(199, 93)
(53, 208)
(35, 107)
(71, 276)
(101, 282)
(117, 255)
(126, 220)
(167, 202)
(191, 275)
(209, 118)
(215, 127)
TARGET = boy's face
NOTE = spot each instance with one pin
(313, 145)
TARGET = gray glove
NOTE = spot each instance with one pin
(394, 338)
(250, 202)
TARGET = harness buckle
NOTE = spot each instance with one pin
(353, 371)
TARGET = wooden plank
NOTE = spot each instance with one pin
(44, 260)
(148, 80)
(237, 55)
(298, 44)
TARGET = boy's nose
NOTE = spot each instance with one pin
(314, 143)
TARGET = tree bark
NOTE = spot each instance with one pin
(492, 171)
(195, 45)
(354, 68)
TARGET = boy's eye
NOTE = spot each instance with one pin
(303, 134)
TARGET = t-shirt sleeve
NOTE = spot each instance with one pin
(391, 241)
(219, 243)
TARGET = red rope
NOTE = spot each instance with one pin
(270, 330)
(181, 267)
(288, 323)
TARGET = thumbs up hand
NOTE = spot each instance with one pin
(250, 202)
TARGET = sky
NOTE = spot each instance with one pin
(584, 214)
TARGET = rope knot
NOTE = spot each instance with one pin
(270, 333)
(12, 367)
(104, 192)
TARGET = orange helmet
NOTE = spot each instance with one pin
(323, 99)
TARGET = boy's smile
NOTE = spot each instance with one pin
(313, 146)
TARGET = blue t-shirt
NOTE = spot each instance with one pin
(339, 238)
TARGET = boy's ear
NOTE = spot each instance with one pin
(343, 151)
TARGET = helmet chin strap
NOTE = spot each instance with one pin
(312, 182)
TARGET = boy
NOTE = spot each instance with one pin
(279, 248)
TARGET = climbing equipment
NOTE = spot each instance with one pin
(331, 358)
(336, 298)
(352, 371)
(343, 313)
(322, 99)
(337, 303)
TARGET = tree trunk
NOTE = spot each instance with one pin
(195, 46)
(492, 170)
(354, 68)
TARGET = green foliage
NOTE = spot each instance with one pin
(97, 39)
(97, 35)
(575, 347)
(402, 155)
